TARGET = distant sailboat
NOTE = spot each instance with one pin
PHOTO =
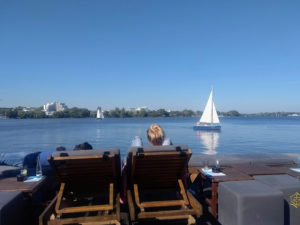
(209, 119)
(100, 114)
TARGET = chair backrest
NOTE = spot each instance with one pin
(157, 166)
(87, 169)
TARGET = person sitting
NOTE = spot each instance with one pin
(31, 159)
(155, 135)
(83, 146)
(43, 157)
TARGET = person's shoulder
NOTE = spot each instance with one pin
(45, 154)
(167, 141)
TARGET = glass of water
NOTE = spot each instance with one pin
(38, 171)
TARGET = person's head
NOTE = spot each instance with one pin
(155, 134)
(60, 149)
(83, 146)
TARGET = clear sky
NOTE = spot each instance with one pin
(155, 53)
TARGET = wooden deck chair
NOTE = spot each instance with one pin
(89, 188)
(155, 184)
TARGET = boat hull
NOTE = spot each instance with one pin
(209, 127)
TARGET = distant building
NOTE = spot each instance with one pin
(130, 109)
(27, 109)
(142, 108)
(53, 107)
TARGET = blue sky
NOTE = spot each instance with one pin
(160, 54)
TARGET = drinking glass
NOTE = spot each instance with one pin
(38, 171)
(206, 164)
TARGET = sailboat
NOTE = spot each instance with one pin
(100, 114)
(209, 119)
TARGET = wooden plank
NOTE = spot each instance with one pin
(11, 184)
(159, 153)
(109, 219)
(182, 192)
(131, 206)
(193, 170)
(79, 163)
(195, 204)
(111, 195)
(45, 216)
(60, 194)
(74, 157)
(165, 169)
(85, 208)
(190, 219)
(193, 177)
(156, 162)
(162, 203)
(144, 215)
(136, 195)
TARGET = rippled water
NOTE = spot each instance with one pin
(238, 135)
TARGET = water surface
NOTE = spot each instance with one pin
(238, 135)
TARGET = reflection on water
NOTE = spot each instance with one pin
(210, 140)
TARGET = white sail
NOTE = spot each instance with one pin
(215, 115)
(98, 114)
(209, 114)
(101, 114)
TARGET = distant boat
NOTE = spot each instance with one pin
(100, 114)
(294, 114)
(209, 119)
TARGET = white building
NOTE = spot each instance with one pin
(142, 108)
(52, 107)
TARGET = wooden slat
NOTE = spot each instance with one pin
(144, 215)
(111, 195)
(60, 194)
(82, 157)
(131, 206)
(195, 204)
(83, 164)
(45, 216)
(91, 207)
(182, 192)
(109, 219)
(162, 203)
(85, 208)
(136, 195)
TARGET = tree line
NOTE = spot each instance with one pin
(75, 112)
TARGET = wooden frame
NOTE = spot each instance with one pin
(45, 217)
(142, 175)
(83, 208)
(101, 172)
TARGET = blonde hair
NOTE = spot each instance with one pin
(155, 134)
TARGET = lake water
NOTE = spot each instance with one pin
(238, 135)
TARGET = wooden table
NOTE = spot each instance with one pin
(259, 169)
(231, 174)
(287, 170)
(11, 184)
